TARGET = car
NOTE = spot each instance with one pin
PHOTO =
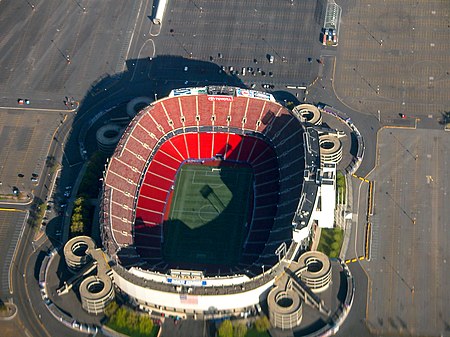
(270, 74)
(265, 86)
(255, 60)
(68, 188)
(271, 59)
(20, 101)
(253, 85)
(220, 55)
(243, 71)
(403, 116)
(231, 69)
(34, 179)
(186, 68)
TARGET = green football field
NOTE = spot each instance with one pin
(208, 215)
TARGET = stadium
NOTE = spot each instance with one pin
(209, 195)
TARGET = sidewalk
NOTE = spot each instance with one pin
(316, 239)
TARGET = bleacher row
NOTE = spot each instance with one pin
(131, 218)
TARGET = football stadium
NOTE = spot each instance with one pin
(209, 195)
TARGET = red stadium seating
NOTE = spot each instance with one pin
(241, 115)
(206, 145)
(145, 202)
(160, 120)
(192, 145)
(189, 110)
(239, 107)
(246, 149)
(205, 110)
(144, 134)
(221, 111)
(179, 143)
(172, 111)
(254, 112)
(220, 143)
(167, 160)
(137, 147)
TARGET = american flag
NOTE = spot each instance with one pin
(188, 299)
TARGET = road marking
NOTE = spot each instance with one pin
(12, 210)
(361, 178)
(356, 259)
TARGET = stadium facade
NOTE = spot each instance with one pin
(194, 125)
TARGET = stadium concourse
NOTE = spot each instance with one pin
(215, 126)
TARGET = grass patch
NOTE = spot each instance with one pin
(331, 241)
(253, 332)
(341, 187)
(208, 215)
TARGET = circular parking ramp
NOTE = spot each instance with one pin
(76, 252)
(107, 137)
(330, 149)
(137, 104)
(308, 113)
(285, 308)
(96, 292)
(315, 271)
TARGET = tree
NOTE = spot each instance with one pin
(111, 309)
(240, 330)
(226, 329)
(121, 317)
(262, 324)
(145, 325)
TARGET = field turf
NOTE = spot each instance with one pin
(208, 215)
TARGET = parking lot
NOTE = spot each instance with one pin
(245, 35)
(393, 58)
(25, 137)
(408, 270)
(10, 226)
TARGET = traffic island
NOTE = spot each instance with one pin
(7, 311)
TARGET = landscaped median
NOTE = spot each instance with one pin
(331, 241)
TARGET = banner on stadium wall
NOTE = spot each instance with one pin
(188, 91)
(182, 282)
(254, 94)
(220, 98)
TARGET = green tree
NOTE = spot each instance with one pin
(262, 324)
(111, 308)
(145, 325)
(121, 317)
(240, 330)
(225, 329)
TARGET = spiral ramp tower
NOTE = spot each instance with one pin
(308, 113)
(107, 137)
(330, 148)
(299, 284)
(82, 257)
